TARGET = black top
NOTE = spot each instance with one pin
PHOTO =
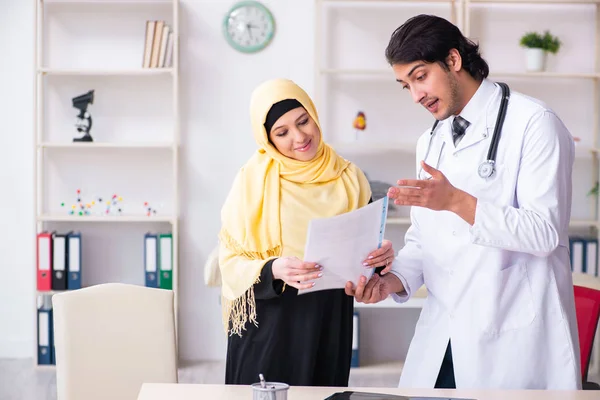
(301, 340)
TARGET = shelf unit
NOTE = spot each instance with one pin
(339, 78)
(114, 76)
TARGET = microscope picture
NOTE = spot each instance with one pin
(84, 119)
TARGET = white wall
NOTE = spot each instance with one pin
(16, 178)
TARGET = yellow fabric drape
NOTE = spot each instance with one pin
(252, 211)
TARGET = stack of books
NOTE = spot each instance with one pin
(158, 48)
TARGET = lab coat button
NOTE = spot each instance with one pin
(453, 233)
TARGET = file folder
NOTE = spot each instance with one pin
(151, 259)
(74, 260)
(165, 259)
(59, 261)
(355, 340)
(44, 261)
(591, 256)
(577, 251)
(44, 334)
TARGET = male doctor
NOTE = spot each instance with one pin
(488, 240)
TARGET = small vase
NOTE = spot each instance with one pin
(536, 60)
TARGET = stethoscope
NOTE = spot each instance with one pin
(487, 167)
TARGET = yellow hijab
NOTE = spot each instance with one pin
(251, 214)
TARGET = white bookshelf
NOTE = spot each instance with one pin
(98, 45)
(351, 74)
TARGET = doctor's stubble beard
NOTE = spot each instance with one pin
(454, 98)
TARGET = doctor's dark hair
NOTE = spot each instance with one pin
(430, 38)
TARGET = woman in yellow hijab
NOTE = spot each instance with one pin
(292, 178)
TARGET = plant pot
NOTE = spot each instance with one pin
(536, 60)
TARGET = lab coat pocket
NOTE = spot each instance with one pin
(505, 300)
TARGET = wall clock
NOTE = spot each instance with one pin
(249, 26)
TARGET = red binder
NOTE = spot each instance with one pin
(44, 261)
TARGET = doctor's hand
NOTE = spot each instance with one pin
(436, 193)
(295, 272)
(378, 288)
(382, 257)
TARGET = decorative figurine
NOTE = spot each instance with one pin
(84, 119)
(113, 206)
(360, 122)
(79, 208)
(114, 201)
(149, 210)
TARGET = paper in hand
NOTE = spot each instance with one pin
(341, 244)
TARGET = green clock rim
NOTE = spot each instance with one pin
(255, 48)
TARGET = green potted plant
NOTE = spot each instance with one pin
(537, 47)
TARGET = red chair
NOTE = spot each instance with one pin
(587, 308)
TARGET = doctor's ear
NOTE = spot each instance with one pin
(454, 60)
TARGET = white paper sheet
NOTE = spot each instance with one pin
(342, 243)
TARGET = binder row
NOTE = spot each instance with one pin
(45, 336)
(158, 260)
(584, 254)
(58, 261)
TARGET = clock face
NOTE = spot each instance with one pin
(249, 26)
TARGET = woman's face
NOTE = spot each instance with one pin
(296, 135)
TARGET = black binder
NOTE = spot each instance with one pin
(60, 261)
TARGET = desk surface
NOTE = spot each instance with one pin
(160, 391)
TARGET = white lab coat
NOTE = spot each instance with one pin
(501, 289)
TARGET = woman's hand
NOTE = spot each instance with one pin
(296, 272)
(382, 257)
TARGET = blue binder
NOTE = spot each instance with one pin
(577, 248)
(74, 260)
(151, 260)
(355, 340)
(591, 256)
(44, 334)
(584, 255)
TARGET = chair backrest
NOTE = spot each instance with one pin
(587, 306)
(111, 338)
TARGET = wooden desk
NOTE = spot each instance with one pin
(160, 391)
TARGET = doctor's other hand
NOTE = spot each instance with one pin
(378, 288)
(436, 193)
(295, 272)
(381, 257)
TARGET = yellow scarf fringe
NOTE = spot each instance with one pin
(238, 312)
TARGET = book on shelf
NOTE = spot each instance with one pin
(158, 47)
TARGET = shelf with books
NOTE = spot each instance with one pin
(119, 59)
(106, 72)
(110, 2)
